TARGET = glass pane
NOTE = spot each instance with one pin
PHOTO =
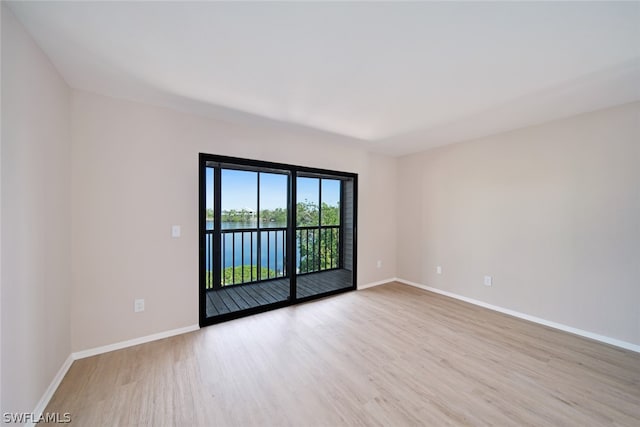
(252, 265)
(307, 255)
(308, 200)
(273, 200)
(330, 202)
(273, 253)
(324, 253)
(209, 224)
(239, 199)
(209, 198)
(273, 218)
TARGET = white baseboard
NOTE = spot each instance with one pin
(48, 394)
(130, 343)
(597, 337)
(372, 284)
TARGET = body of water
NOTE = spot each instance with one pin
(272, 250)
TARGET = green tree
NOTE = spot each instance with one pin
(231, 277)
(277, 216)
(330, 214)
(234, 215)
(307, 214)
(318, 247)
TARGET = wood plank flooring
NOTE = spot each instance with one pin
(392, 355)
(230, 299)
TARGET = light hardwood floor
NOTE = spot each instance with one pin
(391, 355)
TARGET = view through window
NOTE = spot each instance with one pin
(249, 230)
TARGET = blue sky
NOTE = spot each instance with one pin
(239, 190)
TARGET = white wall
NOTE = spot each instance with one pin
(135, 173)
(552, 212)
(91, 186)
(36, 214)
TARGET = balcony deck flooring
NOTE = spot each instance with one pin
(241, 297)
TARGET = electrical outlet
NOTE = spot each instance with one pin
(379, 264)
(138, 305)
(439, 270)
(488, 280)
(175, 231)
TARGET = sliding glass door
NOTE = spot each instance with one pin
(257, 252)
(324, 234)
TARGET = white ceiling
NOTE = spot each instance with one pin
(396, 77)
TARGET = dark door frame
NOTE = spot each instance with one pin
(262, 166)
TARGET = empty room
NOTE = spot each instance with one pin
(320, 213)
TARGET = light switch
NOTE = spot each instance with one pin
(175, 231)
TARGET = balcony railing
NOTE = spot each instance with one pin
(318, 248)
(253, 255)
